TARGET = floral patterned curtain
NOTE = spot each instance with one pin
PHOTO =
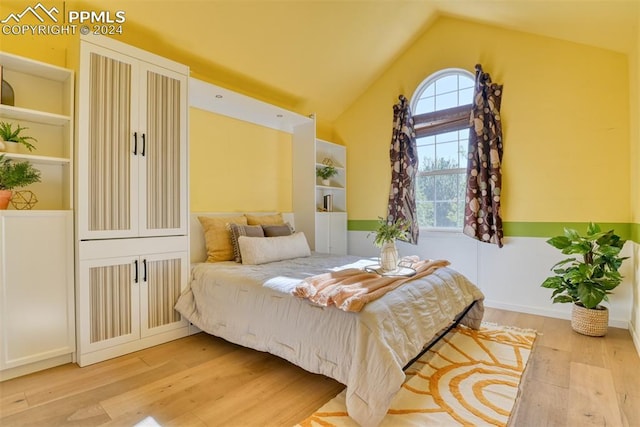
(482, 217)
(404, 165)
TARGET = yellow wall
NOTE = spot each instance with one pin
(635, 182)
(236, 166)
(565, 114)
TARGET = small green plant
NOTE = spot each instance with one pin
(590, 278)
(9, 134)
(326, 172)
(16, 174)
(388, 231)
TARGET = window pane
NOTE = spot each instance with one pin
(446, 214)
(426, 157)
(465, 96)
(447, 84)
(425, 105)
(462, 189)
(465, 82)
(446, 100)
(425, 211)
(447, 137)
(463, 146)
(447, 155)
(430, 90)
(446, 187)
(425, 188)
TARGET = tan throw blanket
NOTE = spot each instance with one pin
(352, 288)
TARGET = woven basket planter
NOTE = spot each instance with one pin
(590, 321)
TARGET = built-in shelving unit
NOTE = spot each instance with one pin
(44, 103)
(331, 225)
(37, 301)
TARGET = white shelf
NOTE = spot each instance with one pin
(18, 113)
(38, 159)
(329, 187)
(35, 68)
(44, 103)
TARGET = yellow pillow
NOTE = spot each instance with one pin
(274, 219)
(218, 237)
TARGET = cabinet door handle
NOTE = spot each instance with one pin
(135, 143)
(144, 269)
(144, 144)
(135, 277)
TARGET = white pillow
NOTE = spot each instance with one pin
(260, 250)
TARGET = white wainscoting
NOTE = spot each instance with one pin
(510, 276)
(634, 324)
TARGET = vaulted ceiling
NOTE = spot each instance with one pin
(320, 55)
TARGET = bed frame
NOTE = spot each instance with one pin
(440, 335)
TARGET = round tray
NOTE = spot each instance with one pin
(400, 271)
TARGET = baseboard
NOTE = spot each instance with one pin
(30, 368)
(557, 314)
(635, 336)
(84, 359)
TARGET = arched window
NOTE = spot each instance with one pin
(441, 106)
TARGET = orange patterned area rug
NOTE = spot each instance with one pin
(469, 378)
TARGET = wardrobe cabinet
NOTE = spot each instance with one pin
(129, 292)
(132, 199)
(132, 152)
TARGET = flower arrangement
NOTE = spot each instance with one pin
(388, 231)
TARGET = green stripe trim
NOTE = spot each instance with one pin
(362, 224)
(531, 229)
(550, 229)
(635, 232)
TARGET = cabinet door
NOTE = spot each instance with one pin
(338, 233)
(323, 237)
(109, 302)
(36, 286)
(331, 232)
(164, 276)
(107, 144)
(163, 155)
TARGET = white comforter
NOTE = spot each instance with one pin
(253, 306)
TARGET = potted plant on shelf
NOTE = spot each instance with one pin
(588, 277)
(14, 175)
(325, 173)
(11, 137)
(386, 235)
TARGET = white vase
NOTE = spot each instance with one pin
(389, 256)
(326, 182)
(10, 147)
(3, 146)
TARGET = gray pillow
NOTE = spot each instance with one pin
(238, 230)
(277, 230)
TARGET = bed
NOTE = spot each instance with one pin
(253, 306)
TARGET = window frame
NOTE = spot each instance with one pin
(440, 122)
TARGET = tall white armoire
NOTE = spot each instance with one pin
(132, 199)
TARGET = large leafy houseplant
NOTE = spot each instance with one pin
(591, 273)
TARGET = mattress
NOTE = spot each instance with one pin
(252, 305)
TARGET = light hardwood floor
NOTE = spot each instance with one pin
(571, 380)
